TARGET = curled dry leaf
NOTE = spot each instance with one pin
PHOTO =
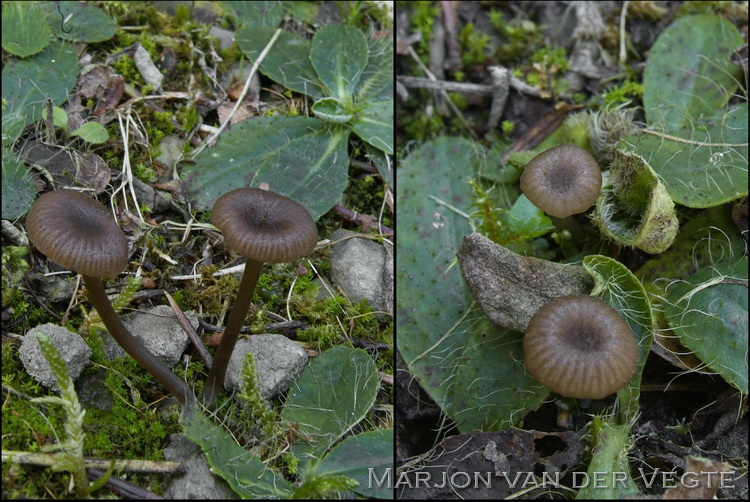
(510, 288)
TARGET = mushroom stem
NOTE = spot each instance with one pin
(134, 347)
(215, 379)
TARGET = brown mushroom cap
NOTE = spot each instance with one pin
(563, 180)
(264, 226)
(78, 233)
(579, 346)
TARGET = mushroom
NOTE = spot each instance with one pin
(78, 233)
(562, 181)
(579, 346)
(262, 226)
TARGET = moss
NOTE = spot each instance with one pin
(321, 337)
(422, 20)
(518, 35)
(125, 66)
(623, 93)
(474, 45)
(365, 195)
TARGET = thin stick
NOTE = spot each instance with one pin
(692, 142)
(187, 327)
(50, 459)
(465, 87)
(623, 52)
(448, 99)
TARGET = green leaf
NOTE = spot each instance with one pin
(92, 132)
(383, 163)
(59, 118)
(356, 456)
(18, 187)
(701, 166)
(617, 285)
(13, 125)
(332, 394)
(527, 221)
(708, 238)
(246, 474)
(689, 73)
(83, 22)
(323, 487)
(257, 14)
(331, 110)
(339, 55)
(377, 76)
(431, 318)
(51, 73)
(287, 63)
(299, 157)
(709, 314)
(25, 31)
(634, 208)
(374, 124)
(493, 391)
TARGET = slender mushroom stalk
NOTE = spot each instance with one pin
(78, 233)
(262, 226)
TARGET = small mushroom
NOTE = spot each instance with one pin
(579, 346)
(562, 181)
(263, 227)
(78, 233)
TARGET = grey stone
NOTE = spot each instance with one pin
(71, 346)
(157, 200)
(225, 37)
(198, 482)
(357, 267)
(510, 288)
(278, 361)
(93, 392)
(170, 149)
(59, 289)
(147, 68)
(239, 73)
(158, 330)
(323, 288)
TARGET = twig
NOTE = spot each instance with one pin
(468, 88)
(49, 459)
(212, 139)
(236, 270)
(359, 165)
(187, 327)
(692, 142)
(500, 90)
(361, 219)
(126, 489)
(448, 99)
(623, 52)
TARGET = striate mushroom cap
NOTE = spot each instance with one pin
(579, 346)
(78, 233)
(562, 181)
(265, 226)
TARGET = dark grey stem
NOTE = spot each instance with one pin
(218, 371)
(134, 347)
